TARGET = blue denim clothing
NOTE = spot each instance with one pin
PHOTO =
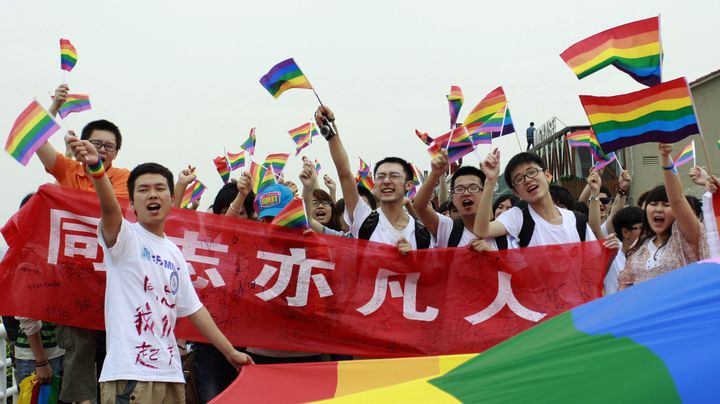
(24, 368)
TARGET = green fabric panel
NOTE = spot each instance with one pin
(555, 363)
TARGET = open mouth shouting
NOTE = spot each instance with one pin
(153, 207)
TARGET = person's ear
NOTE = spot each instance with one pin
(548, 176)
(408, 185)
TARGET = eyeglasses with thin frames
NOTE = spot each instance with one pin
(109, 147)
(472, 188)
(521, 178)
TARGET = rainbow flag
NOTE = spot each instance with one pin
(485, 109)
(223, 168)
(313, 132)
(424, 137)
(457, 142)
(365, 180)
(256, 172)
(415, 182)
(655, 342)
(686, 155)
(455, 102)
(292, 216)
(482, 138)
(284, 76)
(301, 136)
(68, 55)
(495, 123)
(317, 167)
(581, 138)
(663, 113)
(192, 193)
(32, 128)
(364, 167)
(236, 160)
(508, 126)
(74, 103)
(602, 160)
(249, 144)
(633, 48)
(277, 161)
(266, 177)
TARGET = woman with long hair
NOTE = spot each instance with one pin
(671, 235)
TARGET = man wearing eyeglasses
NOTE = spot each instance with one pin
(466, 187)
(106, 138)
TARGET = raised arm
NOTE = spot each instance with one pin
(185, 178)
(484, 228)
(110, 211)
(421, 203)
(624, 184)
(47, 153)
(331, 186)
(686, 219)
(341, 161)
(308, 177)
(244, 185)
(594, 182)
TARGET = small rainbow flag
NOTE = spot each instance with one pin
(457, 142)
(508, 126)
(364, 176)
(424, 137)
(482, 138)
(256, 172)
(602, 161)
(317, 167)
(68, 55)
(74, 103)
(313, 132)
(249, 144)
(663, 113)
(236, 160)
(192, 193)
(581, 138)
(301, 136)
(223, 168)
(686, 155)
(633, 48)
(415, 182)
(455, 102)
(277, 161)
(284, 76)
(292, 216)
(485, 109)
(266, 178)
(32, 128)
(364, 167)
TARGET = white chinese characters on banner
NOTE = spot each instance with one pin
(504, 297)
(408, 293)
(189, 244)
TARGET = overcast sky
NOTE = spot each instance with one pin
(180, 78)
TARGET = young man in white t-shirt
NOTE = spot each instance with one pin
(527, 175)
(466, 186)
(148, 287)
(393, 179)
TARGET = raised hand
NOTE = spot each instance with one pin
(698, 176)
(186, 175)
(625, 181)
(594, 182)
(322, 113)
(330, 184)
(491, 165)
(244, 183)
(83, 150)
(439, 165)
(308, 175)
(665, 149)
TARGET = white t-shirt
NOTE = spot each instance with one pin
(148, 287)
(384, 232)
(445, 225)
(611, 279)
(545, 233)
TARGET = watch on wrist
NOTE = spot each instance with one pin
(622, 192)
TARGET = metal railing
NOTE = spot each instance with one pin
(6, 363)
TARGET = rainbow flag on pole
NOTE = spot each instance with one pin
(276, 161)
(655, 342)
(633, 48)
(74, 103)
(485, 109)
(223, 168)
(68, 55)
(249, 144)
(292, 216)
(301, 136)
(663, 113)
(457, 142)
(364, 176)
(581, 138)
(192, 193)
(508, 126)
(424, 137)
(32, 128)
(256, 172)
(317, 167)
(602, 160)
(236, 160)
(284, 76)
(265, 177)
(686, 155)
(455, 102)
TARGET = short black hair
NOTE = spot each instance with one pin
(626, 218)
(102, 124)
(522, 158)
(467, 170)
(149, 168)
(502, 198)
(581, 207)
(532, 123)
(444, 207)
(605, 190)
(369, 195)
(405, 165)
(696, 205)
(227, 194)
(562, 196)
(26, 198)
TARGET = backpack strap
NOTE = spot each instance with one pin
(422, 236)
(581, 224)
(527, 229)
(456, 233)
(368, 226)
(502, 242)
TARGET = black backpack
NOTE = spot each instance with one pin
(422, 234)
(456, 232)
(528, 226)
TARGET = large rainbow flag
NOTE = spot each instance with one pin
(74, 103)
(663, 113)
(284, 76)
(655, 342)
(634, 48)
(32, 128)
(68, 55)
(485, 109)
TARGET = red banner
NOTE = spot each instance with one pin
(270, 287)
